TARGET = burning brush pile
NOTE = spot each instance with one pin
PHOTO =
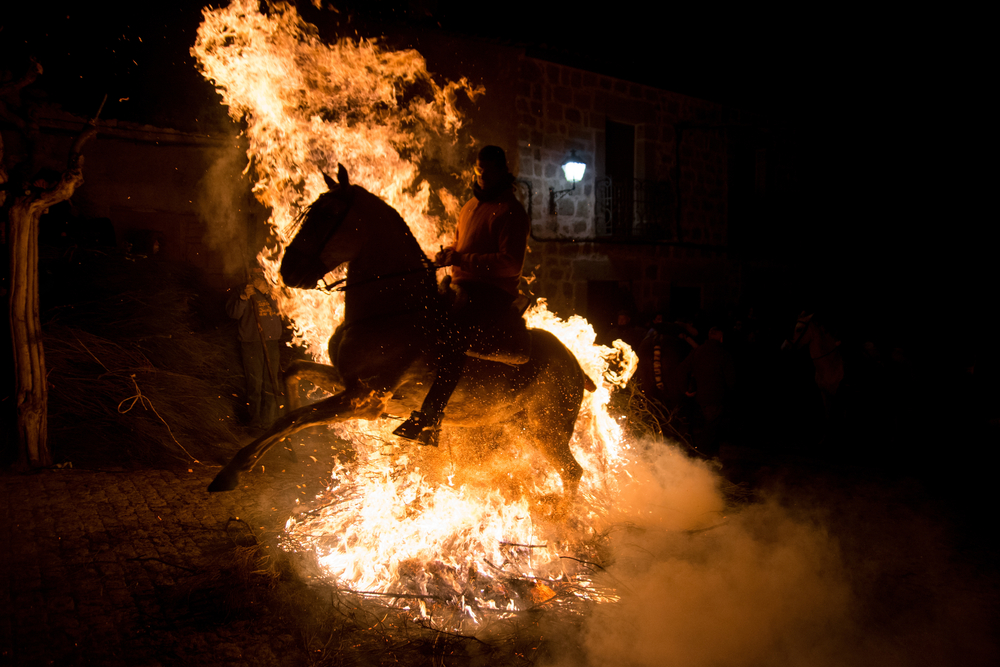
(477, 528)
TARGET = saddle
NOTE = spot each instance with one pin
(504, 338)
(508, 342)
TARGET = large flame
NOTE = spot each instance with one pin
(308, 106)
(395, 521)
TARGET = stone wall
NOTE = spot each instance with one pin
(678, 140)
(562, 109)
(182, 190)
(563, 272)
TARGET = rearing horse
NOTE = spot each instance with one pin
(381, 351)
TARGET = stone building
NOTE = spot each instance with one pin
(168, 194)
(646, 229)
(650, 228)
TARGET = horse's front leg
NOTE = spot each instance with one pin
(325, 377)
(345, 405)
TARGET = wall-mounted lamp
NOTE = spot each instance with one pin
(573, 169)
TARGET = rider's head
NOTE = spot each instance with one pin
(491, 167)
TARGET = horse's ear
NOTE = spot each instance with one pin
(342, 175)
(330, 183)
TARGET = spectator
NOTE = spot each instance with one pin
(260, 330)
(710, 375)
(660, 355)
(623, 329)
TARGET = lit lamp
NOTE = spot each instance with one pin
(573, 169)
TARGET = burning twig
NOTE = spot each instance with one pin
(392, 595)
(585, 562)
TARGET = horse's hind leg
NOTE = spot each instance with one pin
(343, 406)
(325, 377)
(552, 430)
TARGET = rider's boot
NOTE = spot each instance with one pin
(420, 427)
(424, 425)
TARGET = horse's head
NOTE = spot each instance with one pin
(324, 241)
(802, 327)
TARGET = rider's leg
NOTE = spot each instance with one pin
(424, 425)
(476, 304)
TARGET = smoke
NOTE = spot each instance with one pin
(823, 575)
(224, 206)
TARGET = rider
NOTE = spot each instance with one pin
(486, 260)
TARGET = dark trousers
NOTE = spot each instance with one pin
(478, 308)
(261, 392)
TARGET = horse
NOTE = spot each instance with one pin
(382, 353)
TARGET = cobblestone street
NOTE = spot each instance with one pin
(121, 567)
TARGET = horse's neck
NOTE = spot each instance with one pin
(387, 277)
(824, 349)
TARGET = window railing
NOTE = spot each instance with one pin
(634, 208)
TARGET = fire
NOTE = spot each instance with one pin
(403, 522)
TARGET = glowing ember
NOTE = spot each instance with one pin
(408, 523)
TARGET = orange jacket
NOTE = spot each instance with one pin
(491, 240)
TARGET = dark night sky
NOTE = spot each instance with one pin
(889, 108)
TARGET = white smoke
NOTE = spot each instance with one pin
(822, 575)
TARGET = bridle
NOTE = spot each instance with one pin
(798, 336)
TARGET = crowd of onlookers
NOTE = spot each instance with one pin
(752, 381)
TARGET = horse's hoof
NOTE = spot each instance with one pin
(224, 481)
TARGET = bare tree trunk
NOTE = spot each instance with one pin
(31, 392)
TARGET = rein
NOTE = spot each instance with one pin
(342, 284)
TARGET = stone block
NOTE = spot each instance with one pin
(582, 100)
(563, 94)
(552, 72)
(606, 83)
(635, 90)
(621, 87)
(530, 71)
(573, 116)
